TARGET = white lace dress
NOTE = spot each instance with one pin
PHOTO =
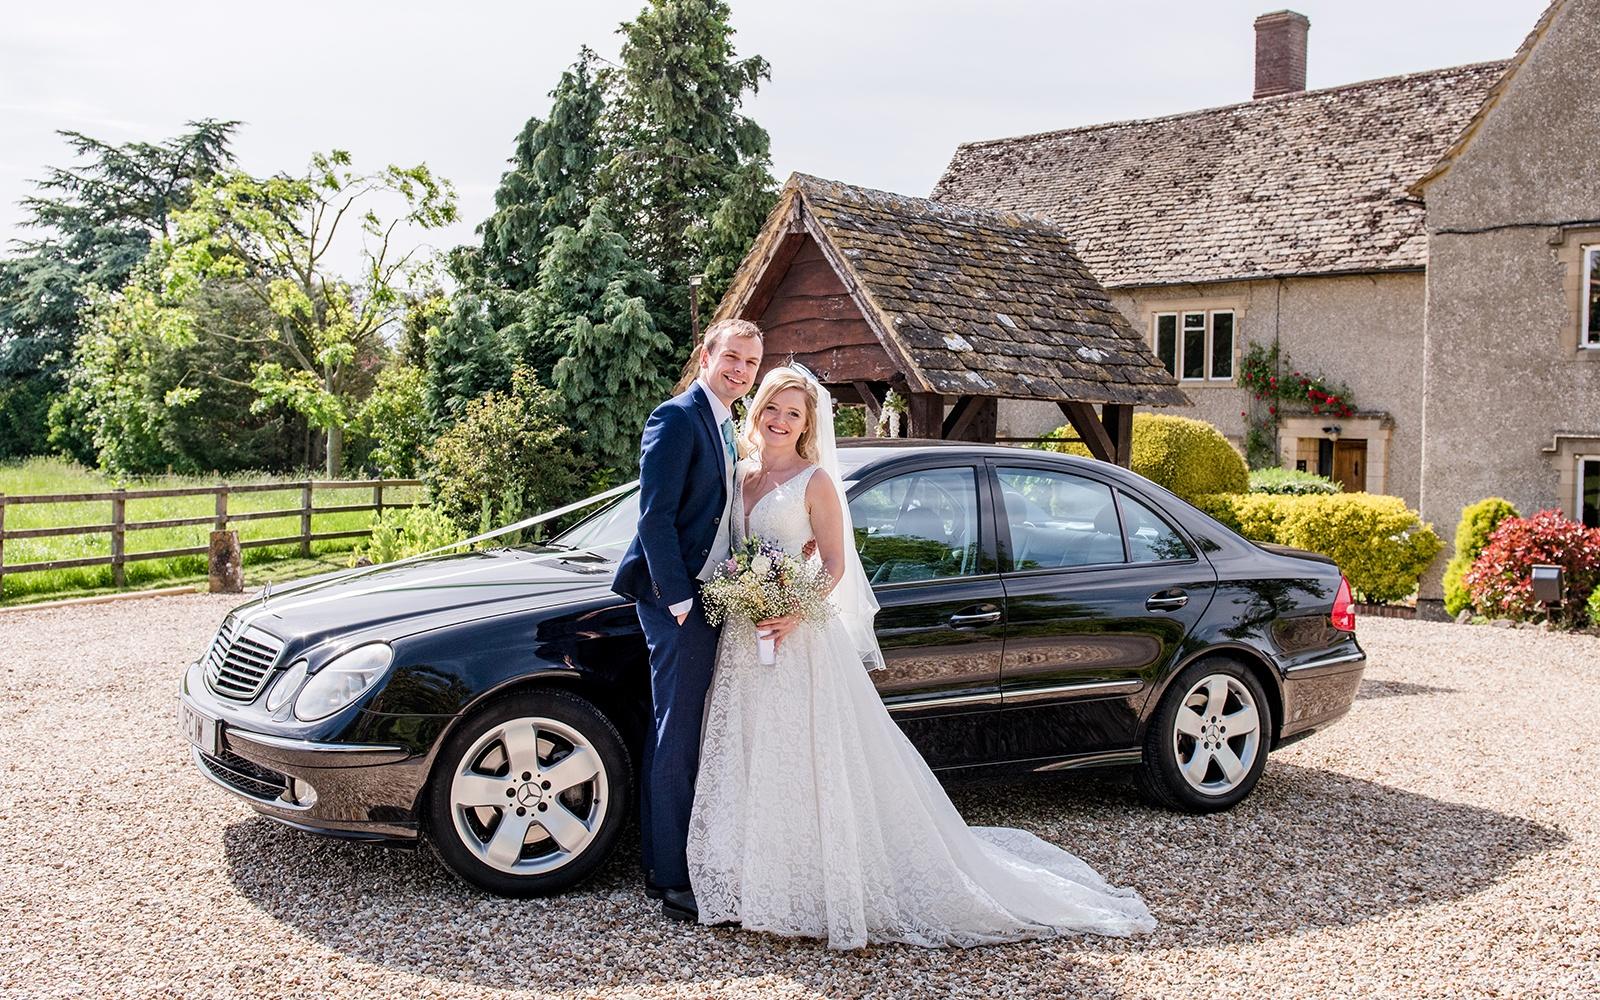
(815, 816)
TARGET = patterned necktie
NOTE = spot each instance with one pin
(727, 439)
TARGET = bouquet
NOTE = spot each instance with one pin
(760, 581)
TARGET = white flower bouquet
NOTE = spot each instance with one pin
(760, 581)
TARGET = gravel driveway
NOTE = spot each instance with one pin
(1442, 840)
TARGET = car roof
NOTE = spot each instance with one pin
(858, 456)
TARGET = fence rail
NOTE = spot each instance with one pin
(119, 526)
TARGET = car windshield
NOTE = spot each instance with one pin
(609, 532)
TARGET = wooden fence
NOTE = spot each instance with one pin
(119, 525)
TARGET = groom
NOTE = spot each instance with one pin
(686, 463)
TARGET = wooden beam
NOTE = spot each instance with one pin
(869, 399)
(1118, 421)
(773, 271)
(1094, 434)
(960, 417)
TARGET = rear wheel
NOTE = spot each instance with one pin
(1207, 743)
(529, 794)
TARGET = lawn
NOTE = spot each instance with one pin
(50, 476)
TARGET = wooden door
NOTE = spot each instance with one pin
(1350, 465)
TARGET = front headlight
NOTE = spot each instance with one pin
(287, 685)
(342, 680)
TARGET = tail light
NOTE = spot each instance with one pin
(1344, 608)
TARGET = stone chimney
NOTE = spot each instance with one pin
(1281, 53)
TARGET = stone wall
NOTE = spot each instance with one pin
(1511, 396)
(1364, 330)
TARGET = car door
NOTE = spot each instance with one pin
(927, 544)
(1101, 590)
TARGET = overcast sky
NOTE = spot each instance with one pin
(873, 92)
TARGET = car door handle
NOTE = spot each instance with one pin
(1166, 600)
(979, 618)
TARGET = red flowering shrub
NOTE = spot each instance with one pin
(1500, 580)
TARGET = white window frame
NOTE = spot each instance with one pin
(1577, 488)
(1587, 255)
(1208, 365)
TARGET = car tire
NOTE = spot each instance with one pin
(547, 766)
(1191, 762)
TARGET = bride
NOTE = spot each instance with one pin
(813, 814)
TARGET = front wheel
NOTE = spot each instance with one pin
(1207, 743)
(529, 794)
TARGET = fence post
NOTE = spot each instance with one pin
(305, 519)
(377, 500)
(2, 545)
(119, 515)
(221, 523)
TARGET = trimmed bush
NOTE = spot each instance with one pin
(1499, 581)
(1291, 482)
(404, 532)
(1189, 457)
(1478, 522)
(509, 457)
(1380, 544)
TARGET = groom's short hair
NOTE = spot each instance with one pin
(731, 327)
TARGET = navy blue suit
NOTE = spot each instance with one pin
(682, 493)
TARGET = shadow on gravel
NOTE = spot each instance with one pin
(1310, 848)
(1387, 689)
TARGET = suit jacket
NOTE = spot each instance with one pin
(684, 484)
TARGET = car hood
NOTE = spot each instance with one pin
(397, 600)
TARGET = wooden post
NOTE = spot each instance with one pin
(2, 545)
(305, 519)
(119, 516)
(221, 523)
(927, 415)
(1090, 429)
(224, 563)
(1118, 421)
(377, 500)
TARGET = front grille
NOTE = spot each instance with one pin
(244, 776)
(240, 660)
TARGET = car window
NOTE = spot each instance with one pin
(1150, 538)
(918, 526)
(1056, 519)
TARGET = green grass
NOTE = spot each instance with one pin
(49, 475)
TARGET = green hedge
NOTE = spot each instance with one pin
(1291, 482)
(1478, 522)
(1189, 457)
(1380, 544)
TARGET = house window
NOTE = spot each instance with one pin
(1588, 505)
(1198, 346)
(1591, 297)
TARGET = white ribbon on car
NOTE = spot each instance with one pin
(526, 522)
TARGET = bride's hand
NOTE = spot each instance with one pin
(777, 629)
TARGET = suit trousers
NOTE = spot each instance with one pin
(681, 661)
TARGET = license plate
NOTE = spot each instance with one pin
(198, 728)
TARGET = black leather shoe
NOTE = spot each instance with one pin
(679, 904)
(651, 890)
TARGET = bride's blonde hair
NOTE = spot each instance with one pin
(777, 380)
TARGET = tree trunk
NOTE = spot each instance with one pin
(335, 451)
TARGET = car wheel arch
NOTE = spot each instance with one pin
(1265, 672)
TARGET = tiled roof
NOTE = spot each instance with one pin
(1307, 183)
(982, 303)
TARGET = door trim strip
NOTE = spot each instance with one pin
(1084, 688)
(943, 701)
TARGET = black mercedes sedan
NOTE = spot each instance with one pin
(1039, 612)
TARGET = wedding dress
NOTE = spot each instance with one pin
(815, 816)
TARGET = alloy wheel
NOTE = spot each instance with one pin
(529, 796)
(1216, 734)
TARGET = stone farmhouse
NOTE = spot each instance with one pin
(1430, 240)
